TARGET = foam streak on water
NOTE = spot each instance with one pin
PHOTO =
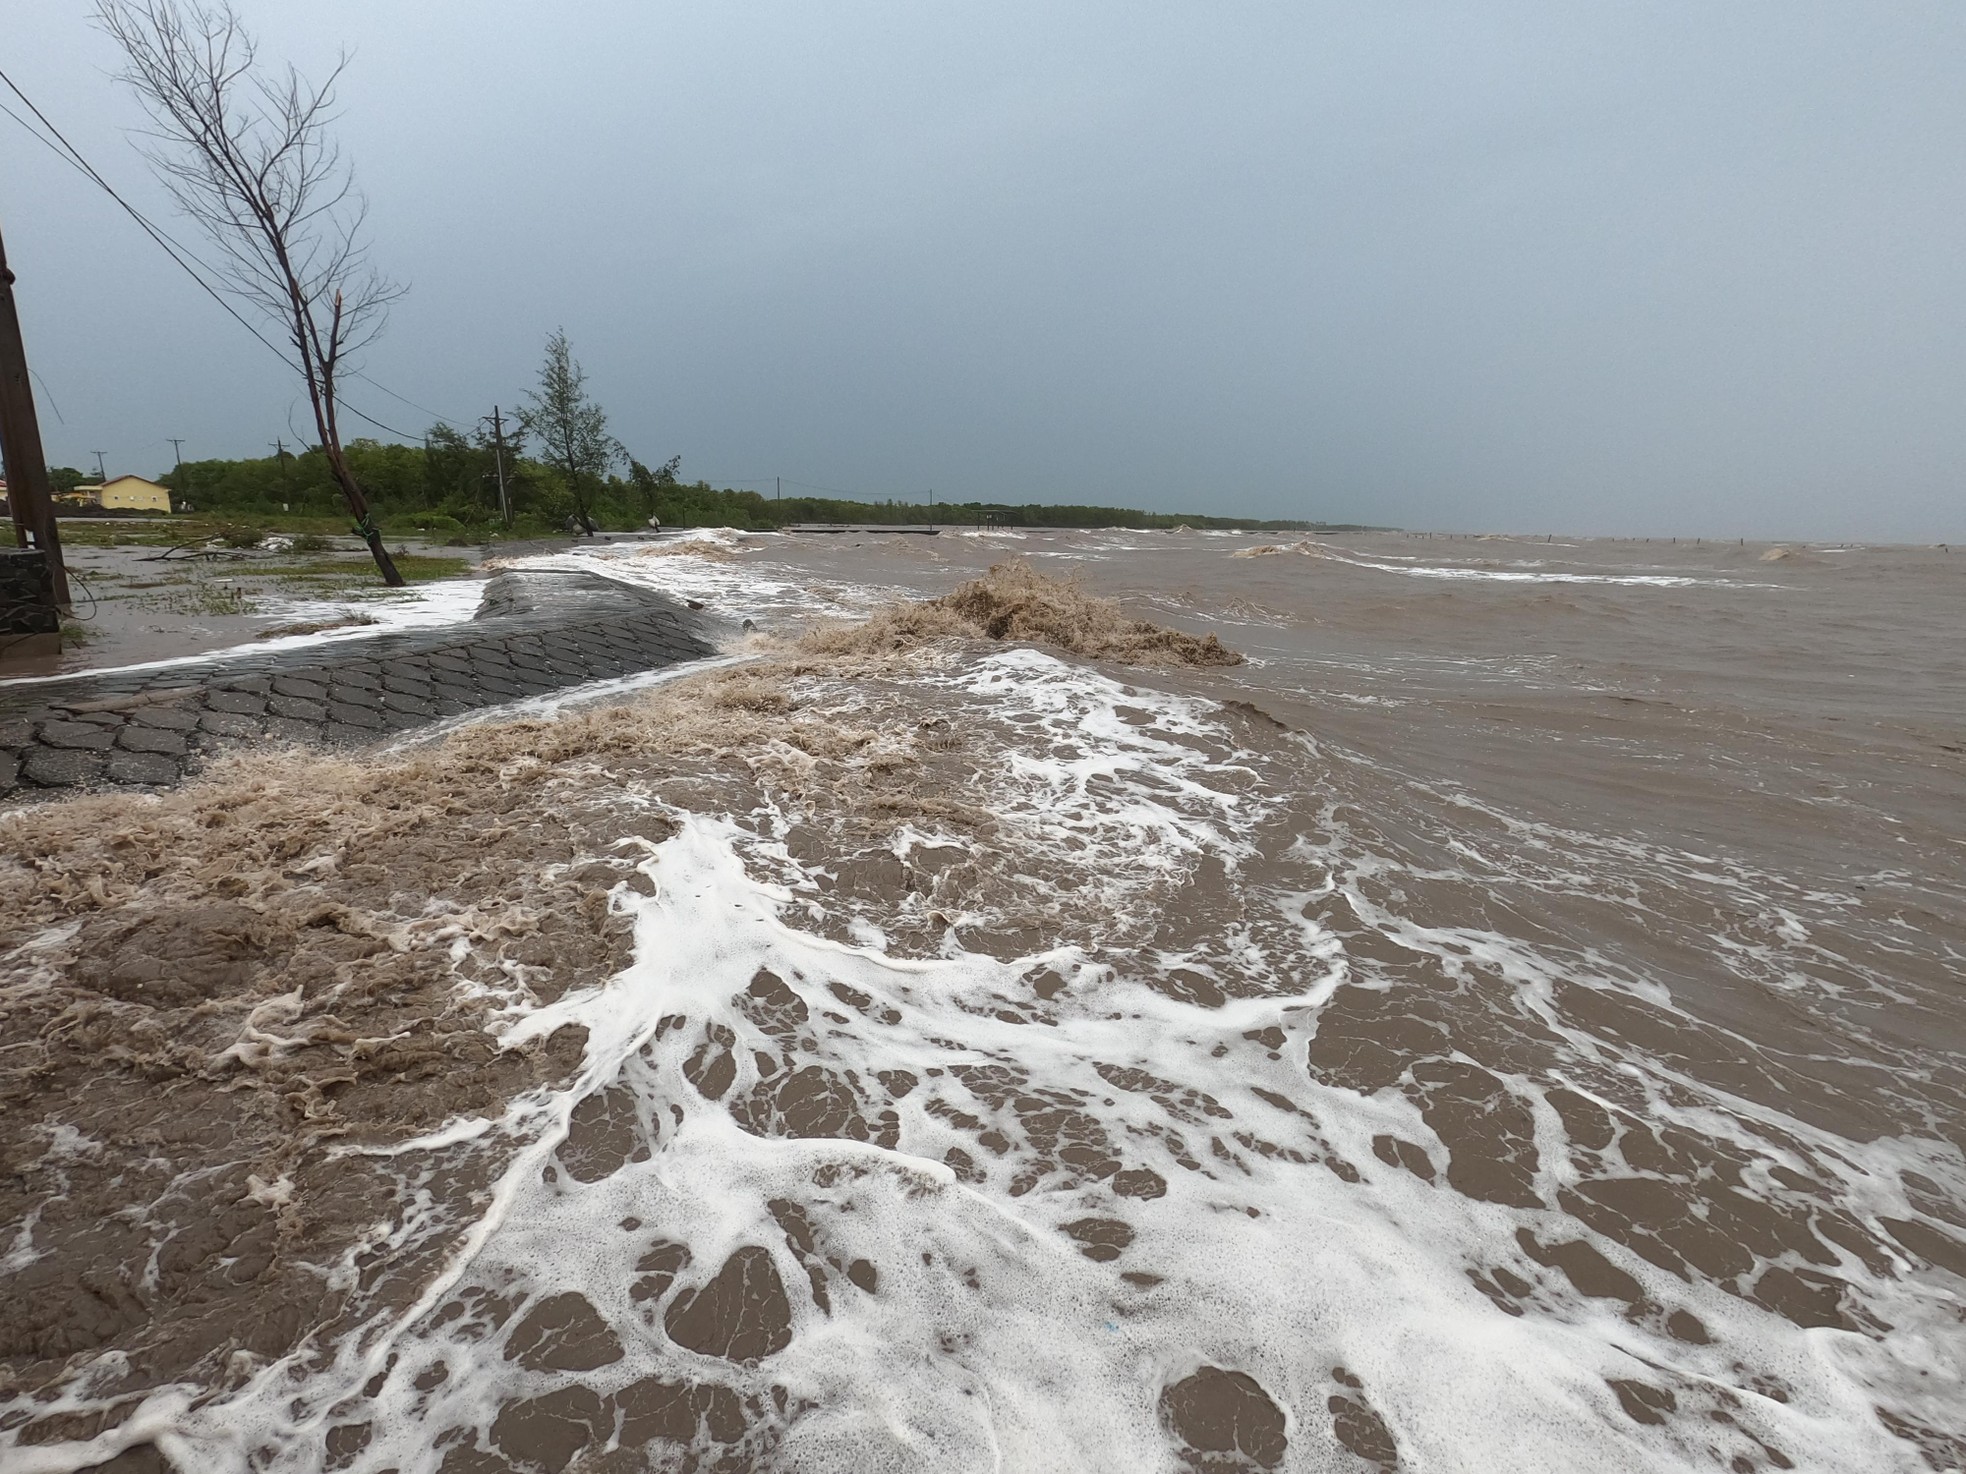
(1523, 571)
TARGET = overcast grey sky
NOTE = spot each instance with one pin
(1647, 268)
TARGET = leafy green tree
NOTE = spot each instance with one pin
(652, 484)
(393, 473)
(571, 429)
(453, 469)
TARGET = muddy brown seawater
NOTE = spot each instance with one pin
(1361, 1004)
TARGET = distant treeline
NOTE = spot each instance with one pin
(448, 487)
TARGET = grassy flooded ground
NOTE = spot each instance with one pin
(157, 588)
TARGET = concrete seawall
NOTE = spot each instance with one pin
(534, 633)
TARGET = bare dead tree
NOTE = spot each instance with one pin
(248, 154)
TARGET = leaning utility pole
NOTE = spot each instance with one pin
(101, 474)
(20, 442)
(177, 469)
(498, 463)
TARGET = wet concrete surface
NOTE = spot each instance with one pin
(534, 633)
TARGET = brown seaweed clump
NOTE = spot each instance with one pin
(1013, 601)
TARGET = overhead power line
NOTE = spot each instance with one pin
(401, 434)
(434, 414)
(72, 156)
(69, 154)
(829, 490)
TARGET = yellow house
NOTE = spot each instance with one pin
(133, 494)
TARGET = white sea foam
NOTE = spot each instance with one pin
(423, 606)
(1418, 569)
(1283, 1246)
(1047, 1364)
(733, 573)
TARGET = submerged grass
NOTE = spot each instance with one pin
(201, 596)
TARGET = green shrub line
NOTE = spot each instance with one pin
(446, 491)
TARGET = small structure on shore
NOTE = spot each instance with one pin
(122, 494)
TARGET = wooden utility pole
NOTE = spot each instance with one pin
(20, 441)
(177, 469)
(101, 474)
(498, 462)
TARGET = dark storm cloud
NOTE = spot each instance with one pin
(1649, 268)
